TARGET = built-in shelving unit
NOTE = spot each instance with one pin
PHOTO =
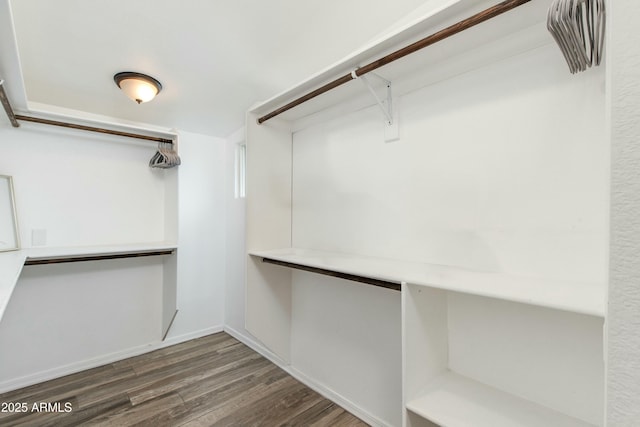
(480, 347)
(12, 263)
(53, 255)
(480, 361)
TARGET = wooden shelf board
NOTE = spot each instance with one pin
(578, 297)
(456, 401)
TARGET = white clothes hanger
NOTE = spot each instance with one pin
(578, 27)
(166, 156)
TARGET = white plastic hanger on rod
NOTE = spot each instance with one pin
(166, 157)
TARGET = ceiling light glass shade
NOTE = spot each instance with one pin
(139, 87)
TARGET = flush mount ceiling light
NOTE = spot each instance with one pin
(139, 87)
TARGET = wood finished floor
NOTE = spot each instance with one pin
(210, 381)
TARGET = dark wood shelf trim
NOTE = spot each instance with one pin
(353, 277)
(81, 258)
(7, 106)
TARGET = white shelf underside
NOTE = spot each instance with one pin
(578, 297)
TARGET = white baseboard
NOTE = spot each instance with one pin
(337, 398)
(82, 365)
(169, 341)
(255, 345)
(306, 380)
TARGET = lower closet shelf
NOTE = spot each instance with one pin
(455, 401)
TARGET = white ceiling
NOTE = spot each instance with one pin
(215, 58)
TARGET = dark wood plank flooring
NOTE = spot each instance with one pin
(210, 381)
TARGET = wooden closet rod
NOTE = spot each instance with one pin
(7, 106)
(13, 118)
(465, 24)
(83, 258)
(354, 278)
(91, 129)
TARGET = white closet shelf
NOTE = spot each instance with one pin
(11, 264)
(573, 296)
(77, 253)
(457, 401)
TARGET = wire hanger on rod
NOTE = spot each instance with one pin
(578, 27)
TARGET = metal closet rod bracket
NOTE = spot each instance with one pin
(385, 105)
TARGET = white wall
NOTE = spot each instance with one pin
(202, 235)
(78, 314)
(85, 190)
(498, 169)
(345, 338)
(623, 318)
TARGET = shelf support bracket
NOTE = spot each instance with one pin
(385, 105)
(391, 129)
